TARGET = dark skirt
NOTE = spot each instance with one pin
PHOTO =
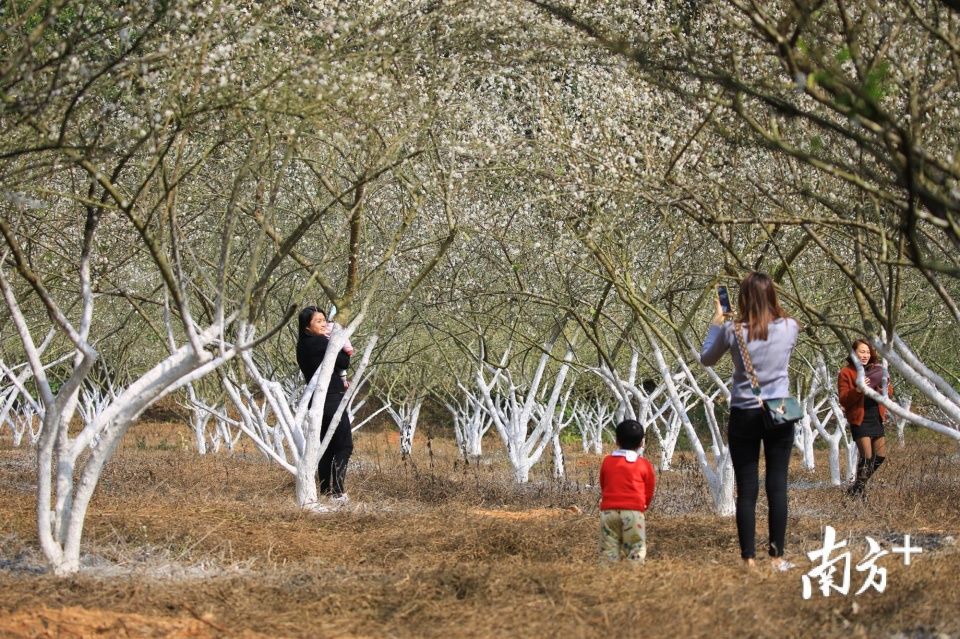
(872, 425)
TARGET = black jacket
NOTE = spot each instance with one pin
(310, 352)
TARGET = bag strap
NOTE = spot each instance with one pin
(747, 362)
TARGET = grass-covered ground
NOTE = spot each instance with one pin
(179, 545)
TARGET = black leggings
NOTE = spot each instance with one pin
(746, 433)
(332, 468)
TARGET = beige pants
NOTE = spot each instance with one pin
(623, 534)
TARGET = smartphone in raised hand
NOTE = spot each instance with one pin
(724, 298)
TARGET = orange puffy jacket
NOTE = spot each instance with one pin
(851, 399)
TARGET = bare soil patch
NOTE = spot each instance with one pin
(179, 545)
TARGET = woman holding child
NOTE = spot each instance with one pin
(768, 337)
(312, 341)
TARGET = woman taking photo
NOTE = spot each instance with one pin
(864, 415)
(312, 341)
(769, 336)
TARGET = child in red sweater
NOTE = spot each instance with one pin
(626, 490)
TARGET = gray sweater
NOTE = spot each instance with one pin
(770, 359)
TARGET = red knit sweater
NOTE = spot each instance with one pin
(625, 485)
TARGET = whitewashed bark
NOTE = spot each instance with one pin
(671, 421)
(356, 404)
(224, 434)
(200, 416)
(92, 402)
(60, 537)
(286, 428)
(562, 419)
(8, 395)
(719, 471)
(594, 420)
(709, 400)
(405, 416)
(256, 421)
(523, 433)
(901, 422)
(25, 422)
(68, 468)
(624, 389)
(805, 433)
(823, 382)
(21, 421)
(29, 417)
(471, 421)
(635, 402)
(926, 381)
(226, 431)
(559, 466)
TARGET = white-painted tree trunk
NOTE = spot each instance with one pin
(719, 472)
(25, 422)
(65, 480)
(525, 431)
(804, 437)
(18, 422)
(471, 421)
(901, 422)
(832, 438)
(9, 394)
(257, 422)
(225, 432)
(805, 433)
(559, 467)
(853, 455)
(356, 404)
(594, 420)
(405, 416)
(635, 402)
(287, 428)
(926, 381)
(672, 425)
(841, 432)
(29, 416)
(6, 402)
(826, 383)
(563, 418)
(92, 402)
(200, 416)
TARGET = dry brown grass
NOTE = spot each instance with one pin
(183, 546)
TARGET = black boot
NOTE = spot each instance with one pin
(857, 489)
(859, 486)
(877, 460)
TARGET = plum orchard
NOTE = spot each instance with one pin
(517, 208)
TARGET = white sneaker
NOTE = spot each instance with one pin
(340, 500)
(318, 507)
(782, 566)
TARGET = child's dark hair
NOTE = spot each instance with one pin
(629, 434)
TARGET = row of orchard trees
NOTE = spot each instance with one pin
(529, 408)
(178, 177)
(487, 196)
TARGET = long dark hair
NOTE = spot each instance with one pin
(874, 358)
(303, 319)
(758, 305)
